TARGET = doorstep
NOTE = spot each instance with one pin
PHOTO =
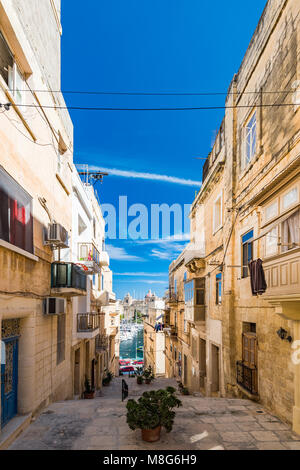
(12, 430)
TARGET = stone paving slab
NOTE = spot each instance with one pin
(201, 424)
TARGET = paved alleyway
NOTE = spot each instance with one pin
(201, 423)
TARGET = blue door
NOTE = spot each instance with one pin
(9, 381)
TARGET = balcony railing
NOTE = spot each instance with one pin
(89, 255)
(247, 377)
(171, 296)
(67, 276)
(171, 329)
(87, 322)
(101, 343)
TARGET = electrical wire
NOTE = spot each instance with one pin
(199, 108)
(149, 93)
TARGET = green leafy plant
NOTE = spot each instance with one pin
(183, 390)
(148, 374)
(153, 409)
(139, 375)
(107, 377)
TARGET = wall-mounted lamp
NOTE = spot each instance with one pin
(283, 334)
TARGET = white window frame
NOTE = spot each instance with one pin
(249, 134)
(217, 200)
(292, 188)
(273, 203)
(275, 237)
(14, 74)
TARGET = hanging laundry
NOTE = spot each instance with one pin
(257, 277)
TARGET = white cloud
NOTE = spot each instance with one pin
(161, 254)
(120, 254)
(147, 176)
(164, 241)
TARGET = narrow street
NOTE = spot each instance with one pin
(200, 424)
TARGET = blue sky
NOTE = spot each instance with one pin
(150, 46)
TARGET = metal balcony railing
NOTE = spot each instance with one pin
(87, 322)
(247, 377)
(67, 275)
(88, 252)
(101, 343)
(172, 296)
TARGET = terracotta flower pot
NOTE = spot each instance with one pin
(151, 435)
(148, 381)
(89, 395)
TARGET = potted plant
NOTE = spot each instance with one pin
(148, 375)
(183, 390)
(139, 376)
(152, 411)
(89, 391)
(107, 378)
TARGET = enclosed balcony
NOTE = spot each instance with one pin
(283, 283)
(67, 280)
(194, 293)
(89, 258)
(88, 325)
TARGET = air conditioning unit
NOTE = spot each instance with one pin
(56, 235)
(54, 306)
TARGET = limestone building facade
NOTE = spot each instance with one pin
(250, 198)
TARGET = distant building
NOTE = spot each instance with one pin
(154, 337)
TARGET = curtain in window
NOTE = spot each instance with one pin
(16, 222)
(291, 232)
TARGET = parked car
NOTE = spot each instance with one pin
(126, 369)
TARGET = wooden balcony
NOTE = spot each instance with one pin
(283, 283)
(195, 313)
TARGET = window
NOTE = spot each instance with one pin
(219, 289)
(175, 286)
(16, 83)
(247, 252)
(290, 232)
(189, 291)
(218, 213)
(272, 242)
(10, 71)
(61, 334)
(184, 277)
(250, 139)
(271, 211)
(16, 224)
(6, 59)
(290, 198)
(200, 291)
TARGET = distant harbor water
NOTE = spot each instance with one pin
(133, 348)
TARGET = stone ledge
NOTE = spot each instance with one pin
(13, 429)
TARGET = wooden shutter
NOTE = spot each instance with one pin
(249, 349)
